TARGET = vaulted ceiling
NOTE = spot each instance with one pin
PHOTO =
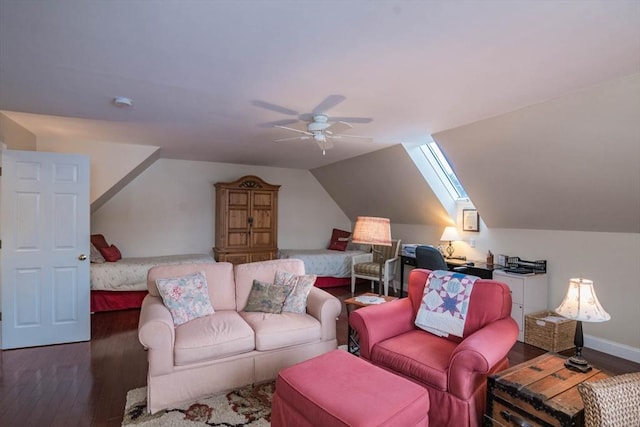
(206, 77)
(528, 99)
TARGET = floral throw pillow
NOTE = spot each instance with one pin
(266, 297)
(299, 288)
(186, 297)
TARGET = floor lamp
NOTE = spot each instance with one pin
(370, 230)
(581, 304)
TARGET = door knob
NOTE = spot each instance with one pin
(82, 257)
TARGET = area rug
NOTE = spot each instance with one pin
(248, 406)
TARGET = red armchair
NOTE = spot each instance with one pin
(453, 369)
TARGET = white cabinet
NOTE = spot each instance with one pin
(528, 295)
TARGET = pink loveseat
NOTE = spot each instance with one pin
(230, 348)
(454, 370)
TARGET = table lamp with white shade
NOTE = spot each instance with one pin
(450, 234)
(581, 304)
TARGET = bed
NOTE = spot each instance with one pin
(123, 284)
(333, 267)
(120, 283)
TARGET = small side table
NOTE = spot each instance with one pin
(352, 303)
(539, 392)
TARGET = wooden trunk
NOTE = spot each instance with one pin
(540, 392)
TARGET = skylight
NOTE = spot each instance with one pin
(443, 169)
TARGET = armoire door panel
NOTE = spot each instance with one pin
(238, 219)
(239, 198)
(262, 219)
(262, 200)
(238, 240)
(261, 240)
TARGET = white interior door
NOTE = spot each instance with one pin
(44, 270)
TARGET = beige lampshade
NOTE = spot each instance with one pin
(450, 234)
(581, 303)
(372, 230)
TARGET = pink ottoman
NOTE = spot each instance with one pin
(340, 389)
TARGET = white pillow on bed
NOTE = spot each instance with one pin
(95, 256)
(186, 297)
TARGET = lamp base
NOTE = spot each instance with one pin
(577, 363)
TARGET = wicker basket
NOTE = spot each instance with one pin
(551, 336)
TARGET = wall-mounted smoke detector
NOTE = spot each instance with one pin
(122, 101)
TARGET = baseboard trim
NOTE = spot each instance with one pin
(611, 347)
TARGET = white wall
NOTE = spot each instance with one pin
(109, 162)
(169, 208)
(611, 260)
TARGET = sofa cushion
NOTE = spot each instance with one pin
(368, 268)
(266, 297)
(273, 331)
(299, 288)
(216, 336)
(186, 297)
(416, 355)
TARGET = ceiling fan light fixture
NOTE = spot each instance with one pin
(122, 101)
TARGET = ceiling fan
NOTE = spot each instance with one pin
(322, 132)
(318, 125)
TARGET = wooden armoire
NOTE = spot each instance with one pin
(246, 220)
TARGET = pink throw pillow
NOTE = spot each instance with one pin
(111, 253)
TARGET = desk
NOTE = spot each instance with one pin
(480, 269)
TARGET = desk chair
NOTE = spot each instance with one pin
(430, 258)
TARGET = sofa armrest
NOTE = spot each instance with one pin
(376, 323)
(157, 333)
(326, 308)
(477, 354)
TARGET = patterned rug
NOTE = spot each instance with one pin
(247, 406)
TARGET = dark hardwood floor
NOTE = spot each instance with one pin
(85, 384)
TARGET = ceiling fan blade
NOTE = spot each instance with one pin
(296, 138)
(364, 138)
(283, 122)
(353, 119)
(274, 107)
(338, 127)
(328, 103)
(293, 129)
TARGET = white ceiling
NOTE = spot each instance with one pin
(195, 69)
